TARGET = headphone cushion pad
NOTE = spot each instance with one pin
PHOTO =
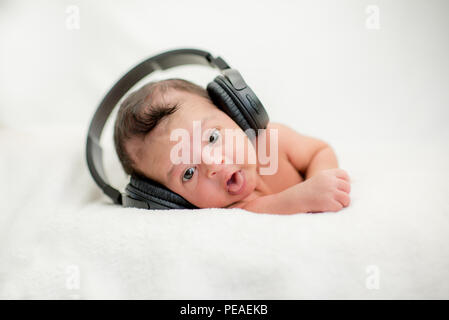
(225, 103)
(151, 189)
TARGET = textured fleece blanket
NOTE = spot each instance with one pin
(60, 238)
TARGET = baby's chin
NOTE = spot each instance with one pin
(226, 199)
(223, 202)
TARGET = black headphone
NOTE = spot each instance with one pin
(228, 91)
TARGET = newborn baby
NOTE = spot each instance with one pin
(278, 171)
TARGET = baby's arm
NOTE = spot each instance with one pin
(322, 159)
(328, 190)
(308, 155)
(285, 202)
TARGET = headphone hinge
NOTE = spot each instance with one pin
(217, 62)
(127, 201)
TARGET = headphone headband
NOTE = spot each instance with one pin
(163, 61)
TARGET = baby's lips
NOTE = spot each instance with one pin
(237, 183)
(227, 178)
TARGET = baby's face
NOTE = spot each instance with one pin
(221, 177)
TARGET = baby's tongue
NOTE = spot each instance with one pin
(236, 182)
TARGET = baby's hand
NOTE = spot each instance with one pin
(328, 190)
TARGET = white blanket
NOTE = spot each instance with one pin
(60, 238)
(379, 97)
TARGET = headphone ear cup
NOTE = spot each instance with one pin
(225, 103)
(156, 194)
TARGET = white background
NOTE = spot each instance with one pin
(314, 64)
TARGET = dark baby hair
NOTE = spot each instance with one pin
(142, 110)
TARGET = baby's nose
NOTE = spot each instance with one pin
(214, 168)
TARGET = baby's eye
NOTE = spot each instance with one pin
(188, 174)
(215, 135)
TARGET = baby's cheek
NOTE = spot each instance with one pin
(208, 195)
(250, 153)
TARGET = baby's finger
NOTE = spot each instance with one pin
(344, 185)
(342, 174)
(335, 206)
(343, 198)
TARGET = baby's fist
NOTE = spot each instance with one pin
(328, 190)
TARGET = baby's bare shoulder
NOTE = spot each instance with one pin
(282, 129)
(286, 136)
(300, 148)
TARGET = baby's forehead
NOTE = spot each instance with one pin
(183, 120)
(191, 109)
(189, 114)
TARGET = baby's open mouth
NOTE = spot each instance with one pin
(236, 183)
